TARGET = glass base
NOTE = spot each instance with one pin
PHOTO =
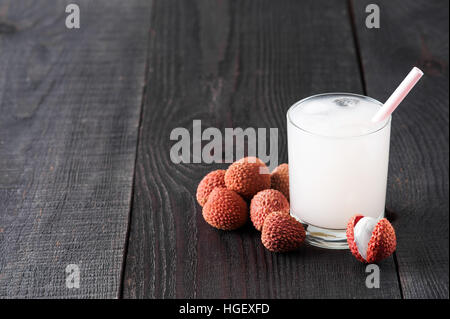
(326, 238)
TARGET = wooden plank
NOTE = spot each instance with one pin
(414, 33)
(70, 104)
(233, 64)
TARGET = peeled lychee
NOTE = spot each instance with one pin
(208, 183)
(225, 209)
(370, 240)
(247, 177)
(266, 202)
(281, 232)
(279, 179)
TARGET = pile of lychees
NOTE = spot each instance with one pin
(224, 194)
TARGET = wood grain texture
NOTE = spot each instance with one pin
(233, 64)
(414, 33)
(70, 104)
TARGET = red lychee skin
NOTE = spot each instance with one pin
(225, 209)
(282, 233)
(247, 177)
(351, 237)
(264, 203)
(251, 159)
(208, 183)
(279, 179)
(382, 244)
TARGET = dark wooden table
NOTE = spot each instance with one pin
(85, 171)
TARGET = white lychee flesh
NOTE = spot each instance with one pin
(362, 233)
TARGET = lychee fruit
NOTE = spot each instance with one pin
(247, 177)
(370, 240)
(264, 203)
(281, 232)
(208, 183)
(225, 209)
(279, 179)
(251, 159)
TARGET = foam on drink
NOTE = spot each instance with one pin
(337, 116)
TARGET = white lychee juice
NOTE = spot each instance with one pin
(338, 163)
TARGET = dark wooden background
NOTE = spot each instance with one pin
(85, 172)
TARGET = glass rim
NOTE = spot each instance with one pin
(336, 93)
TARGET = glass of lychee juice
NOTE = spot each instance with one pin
(338, 164)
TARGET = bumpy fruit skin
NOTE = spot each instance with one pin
(265, 203)
(282, 233)
(251, 159)
(351, 237)
(225, 209)
(279, 179)
(382, 244)
(208, 183)
(247, 177)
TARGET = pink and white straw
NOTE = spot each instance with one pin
(399, 94)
